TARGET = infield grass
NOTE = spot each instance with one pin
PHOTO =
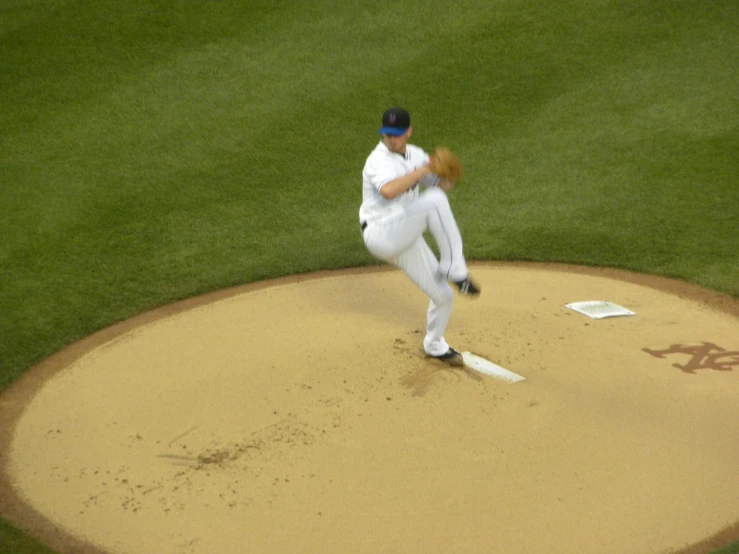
(155, 150)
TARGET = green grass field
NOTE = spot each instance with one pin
(155, 150)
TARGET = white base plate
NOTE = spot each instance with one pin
(473, 361)
(598, 309)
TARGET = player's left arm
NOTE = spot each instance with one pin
(429, 179)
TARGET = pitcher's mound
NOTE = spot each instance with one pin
(300, 415)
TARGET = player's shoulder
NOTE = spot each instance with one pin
(378, 154)
(378, 150)
(416, 155)
(415, 152)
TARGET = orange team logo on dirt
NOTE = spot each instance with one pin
(705, 356)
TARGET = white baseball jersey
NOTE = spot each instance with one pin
(393, 231)
(383, 166)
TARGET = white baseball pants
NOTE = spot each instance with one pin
(399, 241)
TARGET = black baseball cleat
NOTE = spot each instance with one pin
(451, 357)
(467, 287)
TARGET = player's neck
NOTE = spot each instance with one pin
(395, 148)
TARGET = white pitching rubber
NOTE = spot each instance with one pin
(473, 361)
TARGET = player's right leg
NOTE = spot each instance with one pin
(420, 264)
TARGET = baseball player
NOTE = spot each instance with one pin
(394, 216)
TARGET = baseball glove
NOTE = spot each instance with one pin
(445, 164)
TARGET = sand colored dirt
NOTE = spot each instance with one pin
(300, 415)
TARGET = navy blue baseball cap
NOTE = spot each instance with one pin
(395, 121)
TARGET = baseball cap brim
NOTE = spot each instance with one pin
(394, 131)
